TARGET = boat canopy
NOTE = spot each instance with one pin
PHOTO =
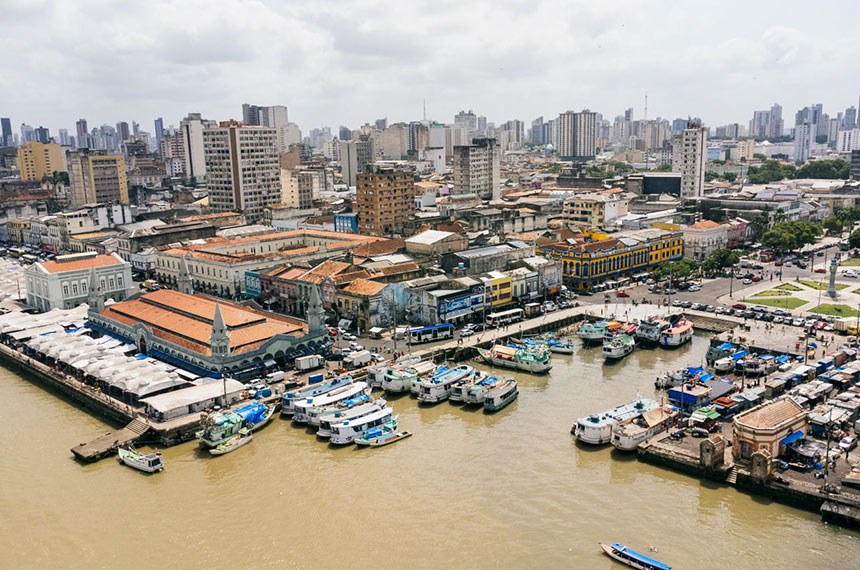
(789, 439)
(640, 557)
(740, 354)
(726, 346)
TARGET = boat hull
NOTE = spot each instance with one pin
(612, 553)
(561, 349)
(232, 446)
(503, 402)
(138, 461)
(533, 367)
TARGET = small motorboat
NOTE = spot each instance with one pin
(148, 463)
(244, 437)
(382, 435)
(632, 558)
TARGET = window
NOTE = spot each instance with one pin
(119, 280)
(75, 288)
(65, 290)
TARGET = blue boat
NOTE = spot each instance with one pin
(632, 558)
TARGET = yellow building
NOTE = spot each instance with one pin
(499, 289)
(587, 265)
(37, 160)
(96, 177)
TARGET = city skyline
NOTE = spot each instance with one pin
(166, 59)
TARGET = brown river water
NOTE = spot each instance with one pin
(468, 490)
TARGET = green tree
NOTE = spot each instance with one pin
(681, 269)
(770, 171)
(832, 225)
(664, 168)
(854, 239)
(829, 169)
(789, 236)
(719, 259)
(760, 224)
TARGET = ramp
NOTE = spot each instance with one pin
(105, 445)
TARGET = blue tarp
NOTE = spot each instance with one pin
(813, 344)
(789, 439)
(740, 354)
(726, 346)
(641, 557)
(705, 377)
(782, 359)
(694, 370)
(140, 356)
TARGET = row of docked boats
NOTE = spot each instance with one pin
(227, 430)
(619, 339)
(625, 426)
(435, 384)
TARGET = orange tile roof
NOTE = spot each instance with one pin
(324, 270)
(364, 287)
(77, 264)
(351, 276)
(384, 247)
(772, 414)
(704, 225)
(186, 320)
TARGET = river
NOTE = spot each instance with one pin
(468, 490)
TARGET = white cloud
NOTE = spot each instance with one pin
(347, 62)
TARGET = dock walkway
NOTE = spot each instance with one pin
(107, 444)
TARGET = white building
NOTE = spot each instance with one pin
(577, 135)
(477, 170)
(242, 169)
(848, 140)
(596, 211)
(702, 238)
(688, 158)
(191, 129)
(65, 282)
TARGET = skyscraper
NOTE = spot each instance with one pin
(159, 129)
(344, 134)
(467, 120)
(5, 131)
(688, 158)
(577, 137)
(536, 133)
(381, 124)
(242, 168)
(849, 119)
(191, 128)
(65, 140)
(384, 200)
(82, 133)
(805, 130)
(43, 135)
(96, 177)
(122, 131)
(476, 169)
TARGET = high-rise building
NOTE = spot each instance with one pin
(849, 118)
(476, 169)
(159, 129)
(242, 168)
(65, 140)
(467, 120)
(855, 165)
(381, 124)
(767, 124)
(43, 135)
(419, 136)
(28, 133)
(82, 133)
(344, 133)
(37, 160)
(395, 141)
(5, 131)
(536, 133)
(577, 137)
(122, 132)
(191, 128)
(135, 128)
(678, 126)
(96, 177)
(384, 200)
(805, 130)
(688, 158)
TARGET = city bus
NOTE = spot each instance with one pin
(16, 251)
(431, 333)
(505, 317)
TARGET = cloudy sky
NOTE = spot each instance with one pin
(349, 62)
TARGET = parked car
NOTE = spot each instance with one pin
(677, 303)
(755, 278)
(467, 332)
(694, 288)
(820, 270)
(797, 322)
(848, 443)
(740, 306)
(747, 281)
(623, 294)
(350, 336)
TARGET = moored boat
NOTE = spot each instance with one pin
(592, 332)
(632, 558)
(680, 332)
(439, 386)
(340, 416)
(303, 409)
(377, 433)
(346, 431)
(648, 332)
(627, 435)
(461, 387)
(311, 390)
(560, 346)
(596, 429)
(315, 414)
(233, 443)
(535, 361)
(618, 346)
(399, 379)
(719, 351)
(256, 415)
(477, 392)
(148, 463)
(725, 364)
(501, 395)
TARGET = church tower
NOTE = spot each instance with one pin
(219, 340)
(316, 313)
(184, 283)
(95, 296)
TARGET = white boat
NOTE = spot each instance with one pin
(439, 386)
(461, 388)
(315, 414)
(400, 378)
(148, 463)
(477, 392)
(632, 558)
(596, 429)
(628, 434)
(346, 431)
(302, 411)
(290, 397)
(338, 417)
(233, 443)
(618, 346)
(726, 364)
(376, 374)
(424, 370)
(534, 360)
(501, 395)
(678, 333)
(592, 332)
(648, 332)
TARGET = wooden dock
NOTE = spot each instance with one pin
(107, 444)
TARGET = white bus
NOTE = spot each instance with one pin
(505, 317)
(431, 333)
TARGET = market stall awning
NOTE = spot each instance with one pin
(789, 439)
